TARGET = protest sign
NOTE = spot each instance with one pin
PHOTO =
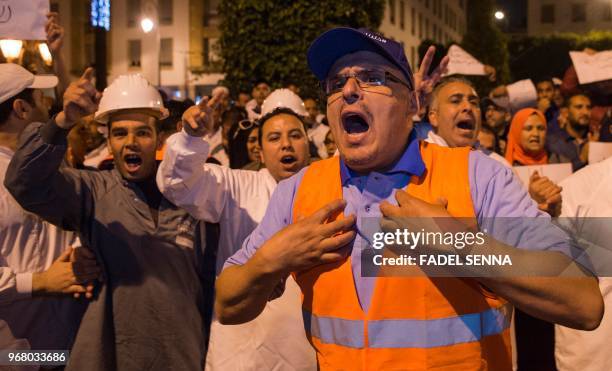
(462, 63)
(23, 20)
(599, 151)
(592, 68)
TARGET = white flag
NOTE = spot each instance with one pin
(23, 19)
(463, 63)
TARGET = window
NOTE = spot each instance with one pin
(435, 32)
(420, 26)
(165, 52)
(402, 15)
(426, 28)
(547, 13)
(165, 12)
(133, 12)
(206, 52)
(412, 21)
(412, 55)
(606, 12)
(461, 4)
(134, 49)
(578, 12)
(392, 11)
(427, 4)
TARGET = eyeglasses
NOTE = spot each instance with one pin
(376, 81)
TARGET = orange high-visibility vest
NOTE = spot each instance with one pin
(413, 323)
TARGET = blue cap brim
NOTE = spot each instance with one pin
(338, 42)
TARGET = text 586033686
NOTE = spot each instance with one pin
(33, 357)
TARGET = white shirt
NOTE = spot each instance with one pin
(96, 156)
(436, 139)
(316, 134)
(250, 108)
(237, 200)
(216, 144)
(588, 194)
(27, 245)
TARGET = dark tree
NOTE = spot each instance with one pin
(268, 39)
(485, 41)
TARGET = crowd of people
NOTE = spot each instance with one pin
(121, 210)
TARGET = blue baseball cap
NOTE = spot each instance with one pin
(337, 42)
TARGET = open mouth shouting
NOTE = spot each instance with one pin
(133, 162)
(356, 125)
(466, 127)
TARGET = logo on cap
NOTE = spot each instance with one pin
(375, 37)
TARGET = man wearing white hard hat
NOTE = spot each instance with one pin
(237, 199)
(151, 299)
(35, 301)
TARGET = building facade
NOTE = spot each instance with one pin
(179, 53)
(412, 21)
(580, 16)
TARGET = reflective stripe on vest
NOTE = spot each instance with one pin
(409, 333)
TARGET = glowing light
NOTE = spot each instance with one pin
(499, 15)
(45, 53)
(11, 48)
(100, 14)
(147, 25)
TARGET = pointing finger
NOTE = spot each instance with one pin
(88, 74)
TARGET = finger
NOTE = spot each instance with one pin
(335, 242)
(534, 176)
(191, 123)
(88, 88)
(84, 253)
(405, 199)
(389, 224)
(214, 102)
(65, 256)
(337, 255)
(88, 74)
(203, 103)
(426, 62)
(389, 210)
(442, 201)
(326, 212)
(554, 199)
(76, 295)
(344, 224)
(440, 70)
(74, 288)
(82, 278)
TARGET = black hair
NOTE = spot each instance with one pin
(176, 109)
(545, 79)
(485, 128)
(277, 111)
(6, 107)
(567, 101)
(237, 145)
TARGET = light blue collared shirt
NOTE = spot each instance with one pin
(496, 193)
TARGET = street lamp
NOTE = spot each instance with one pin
(11, 49)
(499, 15)
(43, 48)
(150, 22)
(147, 25)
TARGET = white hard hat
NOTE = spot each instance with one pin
(281, 99)
(130, 92)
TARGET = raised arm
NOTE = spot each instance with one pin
(35, 176)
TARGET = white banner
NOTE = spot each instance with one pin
(554, 172)
(463, 63)
(599, 151)
(592, 68)
(23, 19)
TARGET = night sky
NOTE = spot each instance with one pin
(516, 14)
